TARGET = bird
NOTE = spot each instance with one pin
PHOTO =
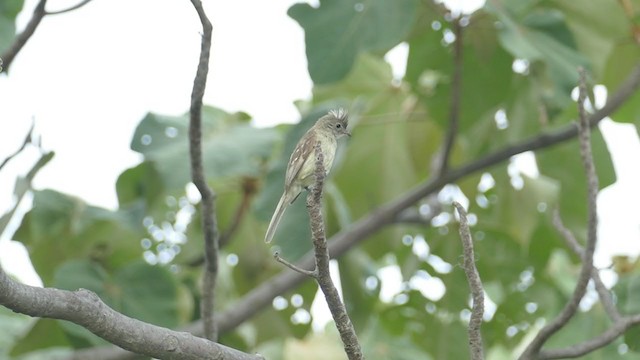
(300, 169)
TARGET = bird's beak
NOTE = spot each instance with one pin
(348, 133)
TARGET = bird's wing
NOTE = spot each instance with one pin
(302, 151)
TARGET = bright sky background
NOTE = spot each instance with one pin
(89, 76)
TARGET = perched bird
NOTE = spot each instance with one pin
(327, 130)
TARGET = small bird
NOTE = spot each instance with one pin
(327, 130)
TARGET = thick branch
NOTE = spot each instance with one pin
(85, 308)
(209, 224)
(10, 54)
(261, 297)
(531, 352)
(475, 284)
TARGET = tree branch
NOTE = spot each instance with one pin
(603, 293)
(456, 88)
(475, 284)
(209, 223)
(85, 308)
(612, 333)
(249, 188)
(10, 54)
(27, 140)
(248, 191)
(311, 273)
(533, 349)
(261, 296)
(336, 306)
(74, 7)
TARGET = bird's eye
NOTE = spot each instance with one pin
(339, 126)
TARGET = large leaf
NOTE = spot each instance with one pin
(23, 185)
(12, 326)
(541, 36)
(142, 291)
(486, 70)
(337, 31)
(624, 58)
(593, 32)
(45, 334)
(61, 227)
(231, 146)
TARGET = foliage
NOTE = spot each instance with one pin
(398, 127)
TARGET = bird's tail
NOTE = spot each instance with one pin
(275, 219)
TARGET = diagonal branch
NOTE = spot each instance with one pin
(38, 13)
(533, 349)
(85, 308)
(603, 293)
(209, 223)
(71, 8)
(607, 337)
(311, 273)
(261, 296)
(27, 140)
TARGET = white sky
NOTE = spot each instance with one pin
(88, 77)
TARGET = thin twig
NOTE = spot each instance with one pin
(611, 334)
(248, 190)
(10, 54)
(74, 7)
(262, 295)
(475, 284)
(603, 293)
(21, 191)
(27, 140)
(310, 273)
(456, 88)
(336, 306)
(533, 349)
(209, 222)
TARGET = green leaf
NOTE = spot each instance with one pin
(148, 293)
(337, 31)
(60, 227)
(230, 146)
(379, 344)
(142, 291)
(142, 182)
(355, 267)
(9, 9)
(23, 184)
(515, 211)
(12, 327)
(45, 333)
(563, 163)
(623, 59)
(542, 37)
(594, 31)
(486, 70)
